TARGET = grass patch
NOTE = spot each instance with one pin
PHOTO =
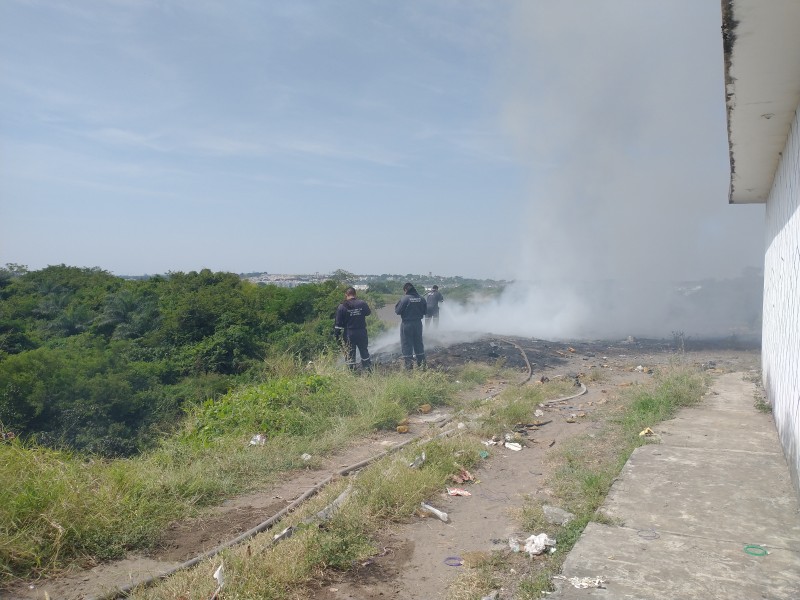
(387, 492)
(57, 508)
(518, 405)
(472, 373)
(760, 403)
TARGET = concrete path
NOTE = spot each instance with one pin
(689, 506)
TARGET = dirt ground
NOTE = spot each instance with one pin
(421, 558)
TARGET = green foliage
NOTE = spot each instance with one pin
(93, 362)
(676, 387)
(293, 406)
(57, 506)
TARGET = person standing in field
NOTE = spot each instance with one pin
(350, 326)
(411, 308)
(432, 299)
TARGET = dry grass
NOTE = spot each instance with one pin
(581, 475)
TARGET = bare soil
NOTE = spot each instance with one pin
(422, 557)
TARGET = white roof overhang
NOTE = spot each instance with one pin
(762, 79)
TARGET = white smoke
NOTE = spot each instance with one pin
(618, 110)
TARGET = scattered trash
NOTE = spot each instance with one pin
(583, 583)
(483, 454)
(458, 492)
(493, 596)
(756, 550)
(463, 476)
(646, 432)
(533, 545)
(538, 413)
(571, 349)
(7, 435)
(551, 444)
(639, 368)
(418, 461)
(402, 429)
(513, 446)
(537, 544)
(544, 379)
(219, 575)
(425, 409)
(460, 426)
(489, 443)
(557, 516)
(453, 561)
(442, 516)
(258, 439)
(305, 456)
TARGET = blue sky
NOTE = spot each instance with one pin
(504, 139)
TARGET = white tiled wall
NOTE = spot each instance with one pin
(781, 333)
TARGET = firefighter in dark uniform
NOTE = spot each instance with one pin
(411, 308)
(351, 327)
(433, 298)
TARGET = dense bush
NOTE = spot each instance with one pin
(94, 362)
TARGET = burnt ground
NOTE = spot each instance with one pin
(412, 564)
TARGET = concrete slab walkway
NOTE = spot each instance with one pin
(689, 506)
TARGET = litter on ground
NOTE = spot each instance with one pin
(533, 545)
(441, 515)
(583, 583)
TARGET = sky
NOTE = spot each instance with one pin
(529, 139)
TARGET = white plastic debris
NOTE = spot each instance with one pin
(306, 457)
(219, 575)
(418, 461)
(513, 446)
(538, 413)
(489, 443)
(513, 543)
(460, 426)
(258, 439)
(441, 515)
(537, 544)
(583, 583)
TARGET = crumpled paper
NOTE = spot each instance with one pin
(533, 545)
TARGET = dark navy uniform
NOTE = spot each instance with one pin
(411, 308)
(352, 323)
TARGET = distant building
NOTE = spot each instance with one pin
(762, 87)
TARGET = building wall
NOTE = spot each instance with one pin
(781, 330)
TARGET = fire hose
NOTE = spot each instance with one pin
(123, 591)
